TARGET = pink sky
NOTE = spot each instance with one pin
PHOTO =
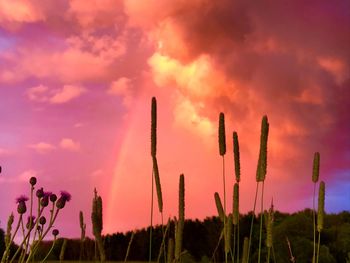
(77, 78)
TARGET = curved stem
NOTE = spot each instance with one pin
(47, 255)
(252, 222)
(33, 250)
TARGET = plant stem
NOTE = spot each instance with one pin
(261, 220)
(252, 222)
(318, 246)
(151, 226)
(224, 184)
(47, 255)
(314, 223)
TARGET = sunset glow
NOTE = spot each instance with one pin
(77, 78)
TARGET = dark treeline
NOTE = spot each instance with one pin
(201, 240)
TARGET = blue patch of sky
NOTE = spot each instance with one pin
(338, 192)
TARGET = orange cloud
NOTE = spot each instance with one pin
(69, 144)
(19, 11)
(67, 93)
(96, 12)
(121, 87)
(42, 147)
(42, 93)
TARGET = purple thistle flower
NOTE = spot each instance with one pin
(40, 192)
(45, 199)
(65, 197)
(21, 199)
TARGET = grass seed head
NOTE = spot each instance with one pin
(222, 135)
(262, 162)
(236, 157)
(219, 206)
(158, 185)
(316, 167)
(154, 127)
(320, 213)
(245, 250)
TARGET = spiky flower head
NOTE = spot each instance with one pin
(158, 185)
(45, 199)
(268, 216)
(222, 135)
(316, 167)
(55, 232)
(154, 127)
(40, 192)
(219, 206)
(9, 229)
(30, 222)
(262, 162)
(236, 157)
(96, 215)
(65, 197)
(32, 181)
(21, 201)
(320, 213)
(53, 198)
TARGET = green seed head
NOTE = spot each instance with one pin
(268, 223)
(154, 127)
(320, 213)
(158, 185)
(316, 167)
(262, 162)
(9, 229)
(245, 250)
(222, 136)
(219, 206)
(236, 157)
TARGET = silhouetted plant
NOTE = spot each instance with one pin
(97, 224)
(315, 176)
(320, 215)
(82, 234)
(181, 221)
(36, 227)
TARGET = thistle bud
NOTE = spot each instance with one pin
(40, 193)
(32, 181)
(30, 222)
(42, 220)
(55, 232)
(45, 199)
(21, 207)
(53, 198)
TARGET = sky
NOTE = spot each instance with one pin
(77, 78)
